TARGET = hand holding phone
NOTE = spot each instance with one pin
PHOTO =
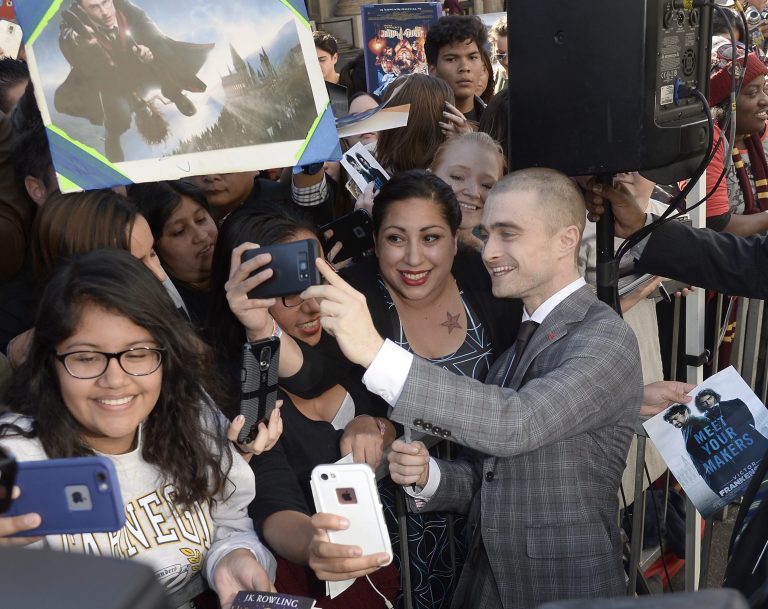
(333, 562)
(77, 495)
(293, 268)
(349, 491)
(354, 231)
(8, 469)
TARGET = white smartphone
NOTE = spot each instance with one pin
(349, 490)
(10, 39)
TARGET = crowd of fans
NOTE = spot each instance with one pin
(471, 323)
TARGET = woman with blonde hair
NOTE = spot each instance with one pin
(470, 164)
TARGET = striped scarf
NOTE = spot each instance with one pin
(760, 171)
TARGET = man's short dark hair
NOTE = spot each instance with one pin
(12, 72)
(452, 29)
(326, 42)
(674, 410)
(32, 157)
(706, 392)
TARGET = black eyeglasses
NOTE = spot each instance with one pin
(294, 300)
(139, 361)
(500, 56)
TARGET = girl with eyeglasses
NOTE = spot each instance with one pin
(113, 370)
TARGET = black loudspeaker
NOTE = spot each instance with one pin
(592, 86)
(44, 579)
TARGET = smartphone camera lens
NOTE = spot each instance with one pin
(323, 476)
(101, 482)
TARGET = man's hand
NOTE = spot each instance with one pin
(265, 439)
(252, 312)
(336, 562)
(143, 53)
(239, 570)
(662, 394)
(409, 463)
(363, 438)
(628, 215)
(344, 314)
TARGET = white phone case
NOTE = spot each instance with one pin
(10, 39)
(349, 490)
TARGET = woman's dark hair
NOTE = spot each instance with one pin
(80, 222)
(158, 200)
(264, 226)
(495, 120)
(182, 435)
(487, 93)
(417, 184)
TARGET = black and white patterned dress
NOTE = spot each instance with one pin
(433, 573)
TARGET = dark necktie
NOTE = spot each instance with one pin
(110, 34)
(527, 328)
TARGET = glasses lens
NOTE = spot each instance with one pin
(501, 56)
(86, 364)
(140, 361)
(294, 300)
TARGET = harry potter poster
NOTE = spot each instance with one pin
(394, 36)
(142, 90)
(714, 443)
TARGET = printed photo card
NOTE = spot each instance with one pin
(714, 443)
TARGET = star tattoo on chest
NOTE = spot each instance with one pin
(452, 323)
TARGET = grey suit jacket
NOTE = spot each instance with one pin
(557, 446)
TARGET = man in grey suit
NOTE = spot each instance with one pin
(555, 418)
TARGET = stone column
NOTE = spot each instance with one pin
(349, 8)
(493, 6)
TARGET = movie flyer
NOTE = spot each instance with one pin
(146, 90)
(714, 443)
(394, 40)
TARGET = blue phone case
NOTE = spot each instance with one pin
(79, 495)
